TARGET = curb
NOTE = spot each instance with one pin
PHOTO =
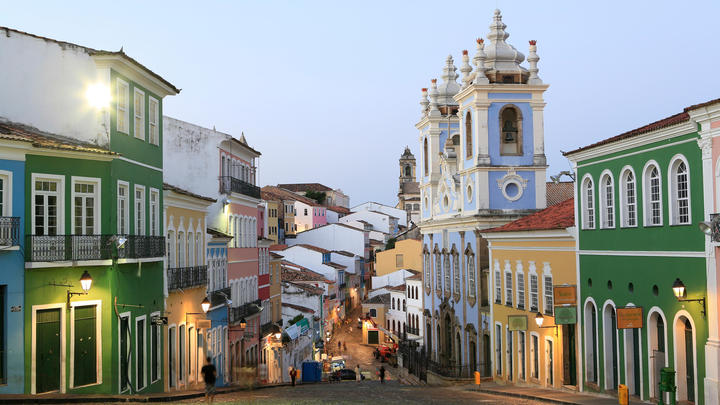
(525, 396)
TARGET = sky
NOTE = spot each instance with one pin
(328, 91)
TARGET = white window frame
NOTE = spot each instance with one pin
(190, 247)
(33, 343)
(97, 183)
(508, 299)
(548, 298)
(498, 283)
(159, 352)
(607, 209)
(122, 110)
(34, 177)
(143, 216)
(153, 121)
(520, 285)
(154, 212)
(532, 272)
(673, 199)
(126, 222)
(127, 315)
(471, 273)
(456, 272)
(647, 210)
(533, 353)
(7, 177)
(624, 204)
(588, 205)
(98, 341)
(144, 353)
(141, 135)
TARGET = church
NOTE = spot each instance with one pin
(482, 165)
(409, 190)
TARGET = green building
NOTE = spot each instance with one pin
(93, 208)
(639, 199)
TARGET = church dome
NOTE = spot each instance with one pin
(503, 60)
(449, 87)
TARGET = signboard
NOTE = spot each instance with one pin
(629, 318)
(517, 322)
(159, 320)
(17, 308)
(303, 325)
(293, 331)
(566, 315)
(565, 295)
(204, 323)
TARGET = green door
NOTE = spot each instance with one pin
(85, 346)
(372, 337)
(47, 355)
(689, 365)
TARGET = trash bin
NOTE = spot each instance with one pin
(311, 371)
(667, 384)
(477, 378)
(623, 397)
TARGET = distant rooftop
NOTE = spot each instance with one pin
(300, 187)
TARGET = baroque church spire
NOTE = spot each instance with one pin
(449, 86)
(503, 60)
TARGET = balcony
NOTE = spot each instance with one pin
(186, 277)
(413, 331)
(231, 184)
(9, 231)
(57, 248)
(244, 311)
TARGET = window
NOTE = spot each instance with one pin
(498, 284)
(425, 156)
(652, 195)
(520, 287)
(426, 267)
(48, 211)
(199, 257)
(535, 353)
(3, 343)
(85, 345)
(680, 188)
(139, 210)
(123, 208)
(122, 96)
(510, 131)
(438, 272)
(5, 193)
(306, 212)
(588, 202)
(190, 249)
(629, 199)
(181, 353)
(153, 118)
(125, 351)
(508, 288)
(468, 135)
(548, 290)
(607, 205)
(155, 350)
(140, 353)
(139, 114)
(533, 292)
(154, 212)
(373, 312)
(181, 249)
(470, 257)
(446, 270)
(456, 273)
(86, 204)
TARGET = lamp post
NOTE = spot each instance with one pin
(679, 291)
(540, 319)
(205, 305)
(85, 283)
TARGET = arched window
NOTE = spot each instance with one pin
(446, 270)
(408, 171)
(588, 202)
(628, 199)
(181, 249)
(652, 188)
(680, 192)
(222, 167)
(456, 273)
(438, 271)
(468, 135)
(425, 156)
(607, 201)
(171, 249)
(510, 131)
(190, 249)
(470, 266)
(198, 250)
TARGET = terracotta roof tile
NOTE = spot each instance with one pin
(307, 288)
(311, 247)
(555, 193)
(279, 194)
(24, 133)
(559, 216)
(299, 187)
(298, 307)
(339, 209)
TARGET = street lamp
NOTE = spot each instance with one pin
(680, 292)
(243, 323)
(85, 284)
(539, 319)
(98, 96)
(205, 305)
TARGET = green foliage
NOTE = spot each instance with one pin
(295, 320)
(390, 244)
(318, 196)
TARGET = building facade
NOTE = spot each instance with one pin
(409, 190)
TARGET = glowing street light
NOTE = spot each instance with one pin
(205, 305)
(86, 281)
(98, 96)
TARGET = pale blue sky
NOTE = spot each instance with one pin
(329, 91)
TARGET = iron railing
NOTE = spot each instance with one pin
(53, 248)
(244, 311)
(413, 331)
(9, 231)
(451, 370)
(186, 277)
(231, 184)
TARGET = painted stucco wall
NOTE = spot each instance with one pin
(373, 206)
(334, 237)
(411, 251)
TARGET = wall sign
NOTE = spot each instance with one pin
(565, 295)
(629, 318)
(517, 322)
(566, 315)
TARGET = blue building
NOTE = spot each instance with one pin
(216, 341)
(483, 165)
(12, 269)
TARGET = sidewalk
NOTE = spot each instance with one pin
(548, 395)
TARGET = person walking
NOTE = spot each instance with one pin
(358, 375)
(345, 346)
(293, 375)
(339, 346)
(382, 374)
(209, 373)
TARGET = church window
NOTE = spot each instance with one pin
(446, 270)
(438, 272)
(456, 273)
(425, 156)
(510, 131)
(470, 257)
(607, 201)
(628, 199)
(680, 192)
(408, 171)
(588, 202)
(426, 267)
(468, 135)
(651, 193)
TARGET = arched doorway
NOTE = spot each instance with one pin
(472, 353)
(437, 344)
(447, 352)
(429, 346)
(458, 350)
(657, 351)
(591, 356)
(610, 347)
(487, 349)
(685, 360)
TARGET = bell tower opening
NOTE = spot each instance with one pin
(510, 131)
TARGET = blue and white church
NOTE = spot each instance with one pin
(483, 165)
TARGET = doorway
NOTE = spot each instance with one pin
(658, 353)
(487, 355)
(685, 359)
(510, 354)
(610, 345)
(549, 359)
(569, 360)
(47, 350)
(372, 337)
(632, 361)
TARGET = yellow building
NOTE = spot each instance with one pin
(374, 311)
(534, 289)
(186, 269)
(407, 254)
(272, 220)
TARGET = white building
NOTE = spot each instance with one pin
(318, 260)
(335, 237)
(373, 206)
(380, 221)
(414, 312)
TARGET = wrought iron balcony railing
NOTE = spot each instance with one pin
(54, 248)
(413, 331)
(228, 184)
(244, 311)
(9, 231)
(186, 277)
(451, 370)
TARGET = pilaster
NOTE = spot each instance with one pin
(538, 108)
(481, 132)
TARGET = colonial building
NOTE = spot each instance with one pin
(409, 190)
(483, 165)
(639, 198)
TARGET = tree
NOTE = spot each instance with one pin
(318, 196)
(390, 244)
